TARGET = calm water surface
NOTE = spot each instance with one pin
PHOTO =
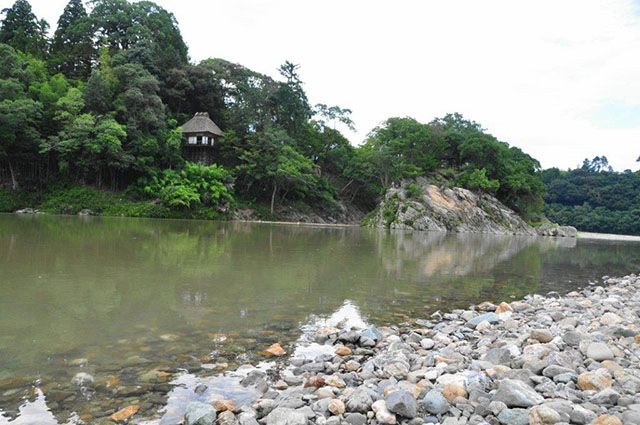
(118, 298)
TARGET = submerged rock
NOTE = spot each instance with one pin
(82, 379)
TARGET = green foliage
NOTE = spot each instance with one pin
(23, 31)
(390, 210)
(72, 50)
(414, 190)
(102, 106)
(594, 198)
(195, 185)
(142, 209)
(400, 148)
(11, 200)
(477, 180)
(75, 199)
(403, 147)
(271, 163)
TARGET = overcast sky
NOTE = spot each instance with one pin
(559, 79)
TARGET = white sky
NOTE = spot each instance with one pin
(559, 79)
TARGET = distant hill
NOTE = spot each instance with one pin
(594, 198)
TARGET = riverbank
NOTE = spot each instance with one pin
(541, 360)
(608, 237)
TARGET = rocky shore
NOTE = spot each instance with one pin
(550, 359)
(420, 205)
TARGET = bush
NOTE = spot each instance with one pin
(414, 190)
(477, 180)
(193, 186)
(11, 201)
(145, 209)
(75, 199)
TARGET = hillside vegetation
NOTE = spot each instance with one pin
(594, 198)
(99, 104)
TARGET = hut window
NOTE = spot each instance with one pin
(192, 140)
(199, 139)
(205, 140)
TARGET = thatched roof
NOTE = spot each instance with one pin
(201, 123)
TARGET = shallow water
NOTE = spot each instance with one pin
(133, 301)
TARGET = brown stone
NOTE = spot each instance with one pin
(274, 350)
(637, 339)
(315, 381)
(607, 420)
(598, 380)
(503, 308)
(124, 414)
(343, 350)
(112, 381)
(453, 391)
(543, 415)
(335, 381)
(336, 407)
(207, 358)
(611, 365)
(541, 335)
(224, 405)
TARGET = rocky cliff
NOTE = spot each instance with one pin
(419, 205)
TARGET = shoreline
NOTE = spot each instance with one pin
(540, 360)
(608, 237)
(580, 234)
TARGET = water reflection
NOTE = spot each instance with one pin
(131, 296)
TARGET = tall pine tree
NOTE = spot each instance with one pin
(72, 51)
(22, 30)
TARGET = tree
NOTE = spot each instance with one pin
(72, 51)
(292, 106)
(333, 114)
(19, 114)
(402, 147)
(18, 132)
(100, 89)
(271, 161)
(91, 145)
(143, 31)
(22, 30)
(598, 164)
(477, 180)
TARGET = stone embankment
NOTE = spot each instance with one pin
(551, 359)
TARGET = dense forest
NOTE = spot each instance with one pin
(90, 118)
(594, 198)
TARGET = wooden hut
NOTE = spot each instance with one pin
(200, 135)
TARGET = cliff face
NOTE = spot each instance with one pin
(423, 206)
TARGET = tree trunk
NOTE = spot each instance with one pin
(346, 186)
(273, 195)
(14, 182)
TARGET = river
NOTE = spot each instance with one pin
(132, 301)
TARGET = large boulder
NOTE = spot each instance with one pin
(517, 394)
(420, 205)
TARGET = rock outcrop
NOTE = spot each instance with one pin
(420, 205)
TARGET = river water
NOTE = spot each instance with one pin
(145, 306)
